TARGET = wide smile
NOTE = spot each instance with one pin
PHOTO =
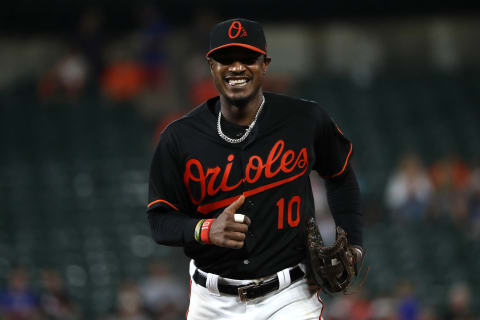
(237, 82)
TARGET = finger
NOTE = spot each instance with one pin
(235, 205)
(236, 227)
(237, 236)
(234, 244)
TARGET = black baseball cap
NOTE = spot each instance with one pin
(238, 32)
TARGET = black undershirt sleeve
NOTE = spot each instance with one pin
(171, 228)
(343, 195)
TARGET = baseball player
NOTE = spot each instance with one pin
(230, 183)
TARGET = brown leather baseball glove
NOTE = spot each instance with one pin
(332, 268)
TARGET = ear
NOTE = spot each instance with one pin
(210, 64)
(266, 62)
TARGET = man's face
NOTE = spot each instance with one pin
(238, 72)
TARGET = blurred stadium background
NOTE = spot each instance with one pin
(85, 89)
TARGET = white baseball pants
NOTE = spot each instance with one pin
(290, 301)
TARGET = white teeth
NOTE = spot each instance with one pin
(239, 82)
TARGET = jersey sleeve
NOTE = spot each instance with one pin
(343, 195)
(165, 181)
(167, 208)
(333, 150)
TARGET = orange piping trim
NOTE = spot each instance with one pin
(164, 201)
(345, 165)
(189, 296)
(321, 301)
(236, 44)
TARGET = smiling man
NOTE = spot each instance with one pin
(230, 183)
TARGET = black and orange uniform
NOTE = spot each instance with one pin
(196, 175)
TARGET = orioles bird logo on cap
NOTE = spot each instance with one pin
(239, 30)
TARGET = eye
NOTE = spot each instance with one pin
(247, 60)
(224, 60)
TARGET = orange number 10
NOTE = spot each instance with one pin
(281, 208)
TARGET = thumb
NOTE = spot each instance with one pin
(235, 205)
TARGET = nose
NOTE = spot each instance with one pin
(236, 66)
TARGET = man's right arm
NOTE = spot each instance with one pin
(167, 207)
(171, 228)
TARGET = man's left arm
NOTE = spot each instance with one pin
(343, 195)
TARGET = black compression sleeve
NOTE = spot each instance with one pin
(343, 194)
(171, 228)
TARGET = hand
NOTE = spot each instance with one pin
(225, 232)
(358, 253)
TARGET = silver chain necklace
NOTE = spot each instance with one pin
(247, 132)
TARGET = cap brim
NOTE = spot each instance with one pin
(236, 45)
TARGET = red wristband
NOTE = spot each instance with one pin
(204, 235)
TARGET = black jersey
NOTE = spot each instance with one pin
(195, 174)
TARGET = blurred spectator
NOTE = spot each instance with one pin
(458, 304)
(361, 307)
(349, 307)
(153, 54)
(54, 299)
(450, 177)
(408, 307)
(123, 79)
(17, 300)
(339, 308)
(409, 189)
(81, 66)
(164, 297)
(67, 79)
(129, 304)
(384, 308)
(159, 97)
(450, 172)
(428, 314)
